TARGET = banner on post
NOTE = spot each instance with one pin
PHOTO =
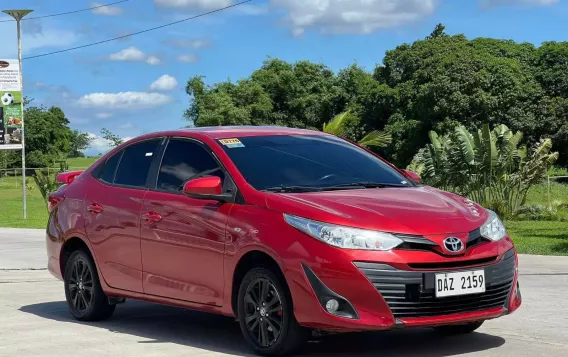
(10, 105)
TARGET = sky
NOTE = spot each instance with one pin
(136, 84)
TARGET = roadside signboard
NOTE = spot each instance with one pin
(10, 105)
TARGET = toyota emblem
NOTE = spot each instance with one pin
(453, 244)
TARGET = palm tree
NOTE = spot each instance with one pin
(488, 166)
(338, 126)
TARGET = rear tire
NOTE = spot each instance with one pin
(266, 315)
(458, 329)
(83, 291)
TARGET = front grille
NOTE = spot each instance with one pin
(417, 242)
(411, 293)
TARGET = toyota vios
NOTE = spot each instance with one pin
(287, 230)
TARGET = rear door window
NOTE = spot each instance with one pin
(135, 163)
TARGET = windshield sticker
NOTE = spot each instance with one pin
(232, 143)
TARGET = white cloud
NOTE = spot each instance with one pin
(153, 60)
(128, 54)
(188, 58)
(100, 144)
(496, 3)
(192, 4)
(133, 54)
(353, 16)
(103, 115)
(106, 10)
(164, 83)
(123, 100)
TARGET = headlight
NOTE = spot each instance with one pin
(493, 228)
(344, 237)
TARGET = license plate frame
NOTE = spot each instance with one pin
(459, 283)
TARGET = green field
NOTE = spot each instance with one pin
(81, 162)
(530, 237)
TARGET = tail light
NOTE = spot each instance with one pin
(53, 201)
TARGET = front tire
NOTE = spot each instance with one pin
(83, 291)
(459, 329)
(266, 315)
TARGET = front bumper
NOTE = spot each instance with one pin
(410, 294)
(392, 295)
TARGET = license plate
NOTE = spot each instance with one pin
(460, 283)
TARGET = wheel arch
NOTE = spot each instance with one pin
(72, 244)
(249, 260)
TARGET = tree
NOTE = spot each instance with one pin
(439, 31)
(79, 142)
(488, 166)
(434, 84)
(114, 139)
(301, 94)
(345, 123)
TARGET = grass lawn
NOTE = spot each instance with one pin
(530, 237)
(81, 162)
(11, 209)
(539, 237)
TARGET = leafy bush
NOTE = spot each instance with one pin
(487, 166)
(46, 183)
(541, 212)
(558, 171)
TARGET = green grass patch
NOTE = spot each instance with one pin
(538, 194)
(11, 206)
(81, 162)
(538, 237)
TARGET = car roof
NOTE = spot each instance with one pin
(223, 132)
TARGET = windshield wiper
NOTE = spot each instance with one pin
(291, 189)
(362, 184)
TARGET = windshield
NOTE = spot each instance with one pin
(307, 162)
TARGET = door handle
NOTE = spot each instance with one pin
(95, 208)
(152, 217)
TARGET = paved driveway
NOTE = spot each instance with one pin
(34, 320)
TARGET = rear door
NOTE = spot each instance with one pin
(183, 248)
(114, 205)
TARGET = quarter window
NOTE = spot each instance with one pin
(109, 168)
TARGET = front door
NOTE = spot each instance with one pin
(183, 239)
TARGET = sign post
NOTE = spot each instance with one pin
(12, 100)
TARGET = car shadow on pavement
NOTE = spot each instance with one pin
(165, 324)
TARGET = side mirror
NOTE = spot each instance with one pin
(412, 176)
(206, 188)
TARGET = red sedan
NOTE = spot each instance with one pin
(287, 230)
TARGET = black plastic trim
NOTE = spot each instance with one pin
(411, 293)
(324, 293)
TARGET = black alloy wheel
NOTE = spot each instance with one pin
(81, 287)
(85, 296)
(263, 308)
(266, 314)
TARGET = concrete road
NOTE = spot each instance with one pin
(34, 320)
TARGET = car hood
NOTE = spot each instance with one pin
(418, 210)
